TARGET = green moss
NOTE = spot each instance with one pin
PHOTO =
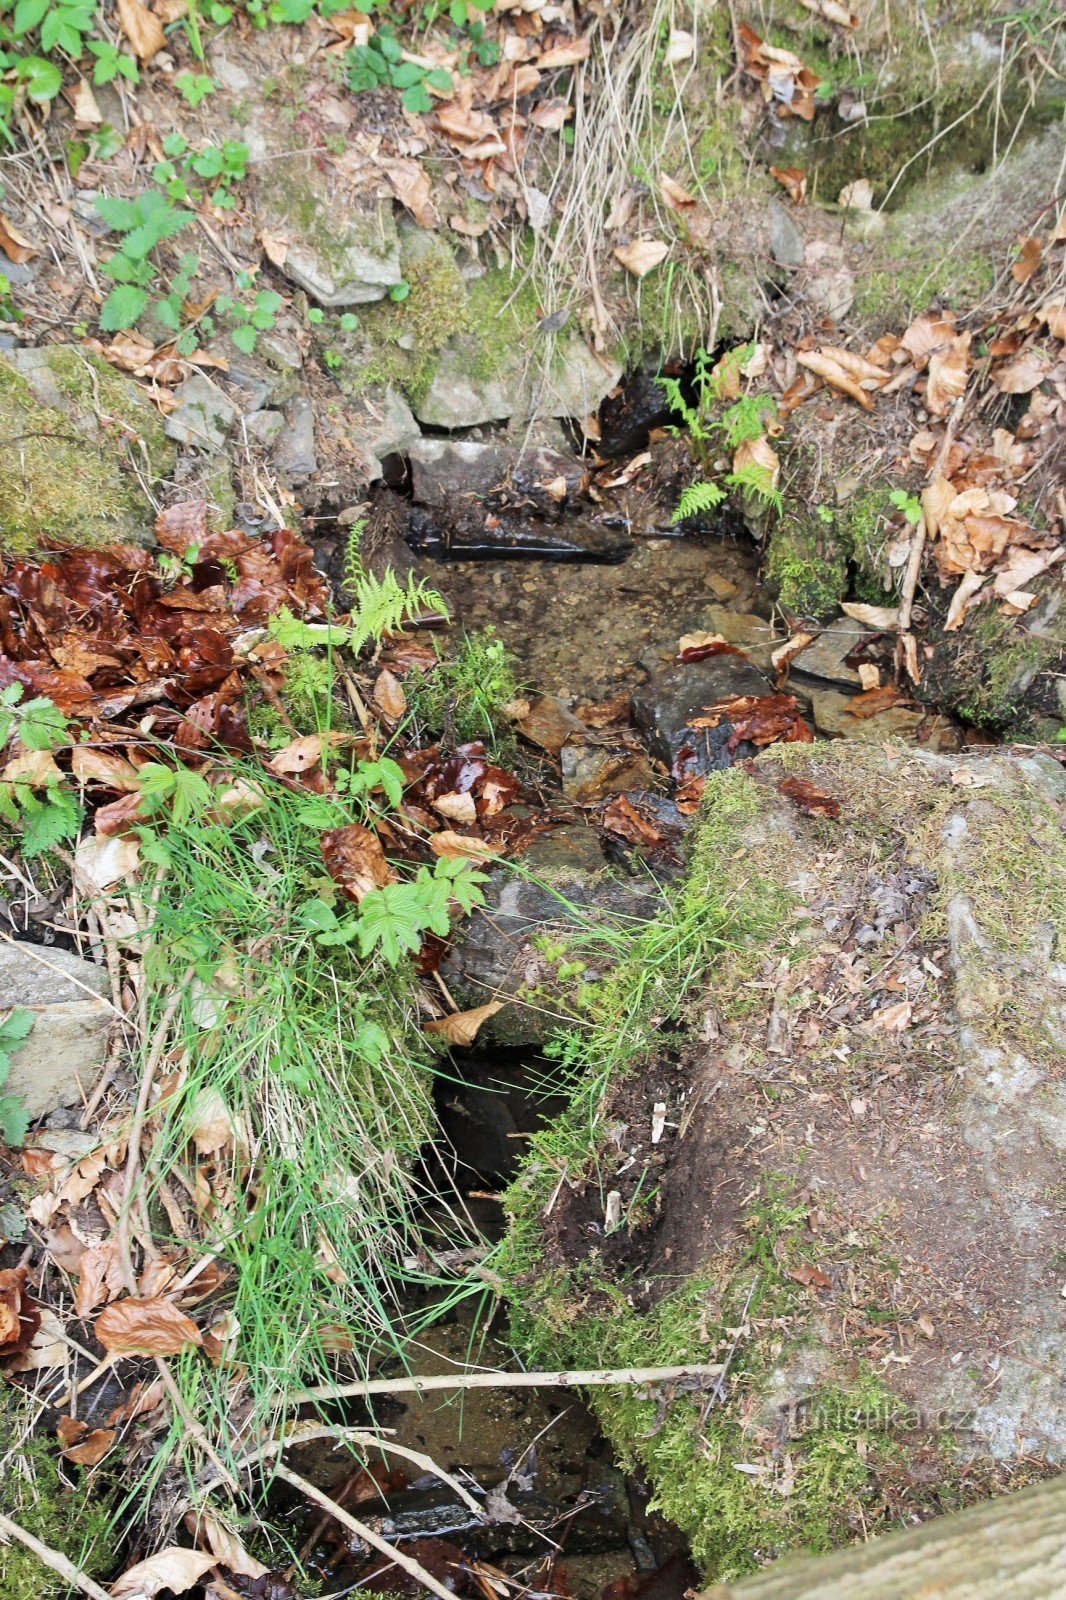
(73, 1520)
(864, 519)
(398, 342)
(894, 294)
(806, 564)
(59, 487)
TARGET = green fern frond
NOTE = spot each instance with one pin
(383, 605)
(756, 478)
(743, 421)
(697, 499)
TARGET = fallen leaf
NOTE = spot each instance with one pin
(892, 1019)
(758, 453)
(1021, 567)
(224, 1544)
(99, 1278)
(884, 618)
(86, 111)
(949, 369)
(680, 46)
(642, 255)
(301, 755)
(1022, 374)
(461, 1027)
(411, 185)
(20, 1318)
(142, 28)
(276, 250)
(173, 1568)
(92, 1449)
(34, 768)
(14, 244)
(567, 54)
(625, 819)
(869, 676)
(209, 1122)
(810, 1277)
(857, 196)
(101, 766)
(355, 860)
(871, 701)
(832, 11)
(969, 585)
(446, 843)
(812, 800)
(456, 807)
(551, 115)
(782, 655)
(677, 198)
(389, 696)
(831, 372)
(103, 860)
(1054, 314)
(145, 1327)
(1027, 260)
(927, 333)
(794, 180)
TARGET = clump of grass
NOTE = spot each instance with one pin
(463, 693)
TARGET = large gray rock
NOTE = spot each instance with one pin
(572, 382)
(294, 453)
(60, 1059)
(443, 470)
(665, 707)
(385, 426)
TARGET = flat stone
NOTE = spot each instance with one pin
(664, 707)
(824, 656)
(263, 427)
(60, 1059)
(577, 385)
(831, 716)
(786, 241)
(204, 415)
(828, 282)
(294, 449)
(589, 771)
(385, 426)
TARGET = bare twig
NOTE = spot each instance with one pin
(914, 564)
(55, 1559)
(512, 1380)
(406, 1563)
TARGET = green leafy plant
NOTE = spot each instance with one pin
(143, 223)
(739, 423)
(698, 499)
(37, 803)
(194, 87)
(14, 1119)
(393, 920)
(111, 62)
(249, 321)
(169, 309)
(909, 504)
(9, 311)
(465, 691)
(379, 64)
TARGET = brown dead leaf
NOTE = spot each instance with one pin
(809, 798)
(145, 1327)
(142, 28)
(831, 372)
(227, 1549)
(456, 807)
(301, 755)
(1027, 260)
(100, 766)
(14, 244)
(566, 54)
(1023, 374)
(869, 675)
(857, 196)
(871, 701)
(101, 860)
(173, 1568)
(677, 198)
(832, 11)
(355, 860)
(891, 1019)
(926, 334)
(551, 115)
(87, 113)
(1021, 567)
(461, 1027)
(275, 249)
(389, 696)
(447, 843)
(1054, 314)
(810, 1277)
(34, 768)
(410, 183)
(642, 256)
(758, 453)
(793, 180)
(19, 1316)
(949, 369)
(99, 1278)
(625, 819)
(784, 654)
(884, 618)
(92, 1449)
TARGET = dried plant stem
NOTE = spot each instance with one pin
(513, 1380)
(375, 1441)
(914, 564)
(361, 1530)
(55, 1559)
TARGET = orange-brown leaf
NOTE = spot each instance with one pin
(146, 1327)
(355, 860)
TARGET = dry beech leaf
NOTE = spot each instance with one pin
(223, 1544)
(20, 1318)
(927, 333)
(782, 655)
(832, 11)
(967, 587)
(446, 843)
(1054, 314)
(142, 28)
(681, 46)
(949, 369)
(794, 180)
(276, 250)
(99, 1278)
(87, 113)
(100, 766)
(831, 372)
(810, 1277)
(674, 195)
(355, 860)
(456, 807)
(302, 754)
(758, 453)
(461, 1027)
(809, 797)
(1022, 374)
(389, 696)
(102, 860)
(92, 1449)
(892, 1019)
(14, 244)
(173, 1568)
(642, 256)
(145, 1327)
(869, 675)
(1028, 259)
(410, 182)
(35, 768)
(857, 196)
(565, 55)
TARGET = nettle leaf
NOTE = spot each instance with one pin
(16, 1026)
(42, 726)
(244, 338)
(120, 215)
(47, 823)
(186, 791)
(122, 307)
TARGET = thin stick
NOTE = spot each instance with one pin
(914, 564)
(57, 1561)
(512, 1380)
(405, 1563)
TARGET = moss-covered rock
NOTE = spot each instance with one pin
(806, 564)
(340, 248)
(854, 1049)
(73, 1519)
(79, 442)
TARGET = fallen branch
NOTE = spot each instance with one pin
(510, 1380)
(406, 1563)
(56, 1560)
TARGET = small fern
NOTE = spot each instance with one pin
(756, 478)
(697, 499)
(744, 420)
(353, 554)
(383, 605)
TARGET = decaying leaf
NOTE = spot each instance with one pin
(857, 196)
(680, 46)
(949, 368)
(677, 198)
(456, 807)
(224, 1544)
(830, 371)
(101, 860)
(642, 255)
(809, 798)
(142, 28)
(145, 1327)
(871, 701)
(461, 1027)
(810, 1277)
(566, 54)
(969, 585)
(832, 11)
(794, 180)
(447, 843)
(1023, 374)
(1054, 314)
(99, 1277)
(389, 696)
(20, 1317)
(883, 618)
(92, 1448)
(14, 244)
(355, 860)
(410, 182)
(173, 1568)
(628, 821)
(1027, 259)
(758, 453)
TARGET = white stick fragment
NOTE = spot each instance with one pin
(593, 1378)
(658, 1120)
